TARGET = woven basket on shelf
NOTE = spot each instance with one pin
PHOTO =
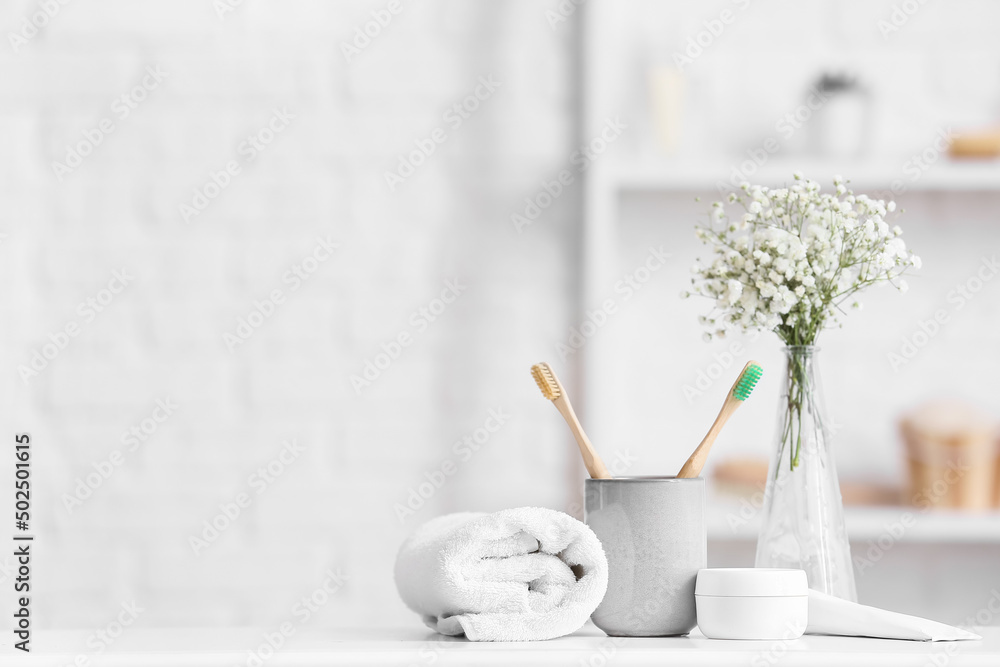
(952, 456)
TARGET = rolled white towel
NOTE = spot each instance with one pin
(516, 575)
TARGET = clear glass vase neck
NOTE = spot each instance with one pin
(800, 350)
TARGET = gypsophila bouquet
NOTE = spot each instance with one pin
(795, 257)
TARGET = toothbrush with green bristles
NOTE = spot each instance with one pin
(734, 399)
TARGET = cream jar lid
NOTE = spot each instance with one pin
(751, 582)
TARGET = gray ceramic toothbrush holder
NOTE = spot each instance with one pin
(653, 532)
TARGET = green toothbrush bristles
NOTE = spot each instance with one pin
(748, 380)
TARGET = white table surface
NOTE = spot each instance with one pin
(413, 646)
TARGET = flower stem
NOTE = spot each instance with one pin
(798, 394)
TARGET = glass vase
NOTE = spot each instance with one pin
(803, 522)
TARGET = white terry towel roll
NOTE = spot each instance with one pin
(516, 575)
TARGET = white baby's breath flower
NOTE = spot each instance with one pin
(794, 255)
(733, 291)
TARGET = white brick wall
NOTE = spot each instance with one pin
(162, 336)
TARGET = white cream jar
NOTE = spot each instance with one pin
(752, 603)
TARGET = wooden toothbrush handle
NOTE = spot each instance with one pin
(692, 467)
(595, 466)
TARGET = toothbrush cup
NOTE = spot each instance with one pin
(653, 533)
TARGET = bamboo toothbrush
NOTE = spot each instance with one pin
(740, 392)
(552, 389)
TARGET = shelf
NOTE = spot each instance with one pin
(729, 522)
(888, 177)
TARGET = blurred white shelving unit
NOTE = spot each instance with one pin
(948, 557)
(614, 174)
(877, 177)
(726, 522)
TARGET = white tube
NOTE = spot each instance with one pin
(829, 615)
